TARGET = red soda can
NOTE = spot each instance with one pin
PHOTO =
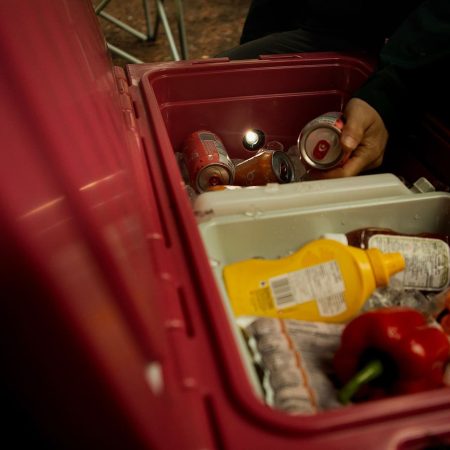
(318, 142)
(207, 161)
(267, 166)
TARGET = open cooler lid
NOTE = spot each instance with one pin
(99, 303)
(82, 259)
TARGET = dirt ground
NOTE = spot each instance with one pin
(211, 27)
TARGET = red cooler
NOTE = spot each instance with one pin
(115, 330)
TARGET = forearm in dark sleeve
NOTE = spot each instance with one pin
(387, 93)
(413, 64)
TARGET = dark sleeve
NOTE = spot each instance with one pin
(414, 65)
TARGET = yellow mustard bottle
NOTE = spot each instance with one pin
(324, 281)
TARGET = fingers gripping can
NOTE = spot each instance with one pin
(207, 161)
(267, 166)
(318, 142)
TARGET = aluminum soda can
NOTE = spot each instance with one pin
(318, 141)
(267, 166)
(207, 161)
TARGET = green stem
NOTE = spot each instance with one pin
(369, 372)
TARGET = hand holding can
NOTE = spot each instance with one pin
(363, 138)
(319, 144)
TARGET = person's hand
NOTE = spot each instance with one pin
(363, 138)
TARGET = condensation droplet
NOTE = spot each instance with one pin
(253, 212)
(214, 262)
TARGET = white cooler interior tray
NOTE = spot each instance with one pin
(273, 234)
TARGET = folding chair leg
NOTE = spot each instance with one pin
(123, 54)
(101, 5)
(181, 29)
(168, 31)
(148, 19)
(124, 26)
(160, 17)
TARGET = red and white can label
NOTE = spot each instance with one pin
(319, 141)
(207, 160)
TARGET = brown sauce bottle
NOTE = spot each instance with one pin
(360, 237)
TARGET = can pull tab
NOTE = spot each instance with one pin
(321, 149)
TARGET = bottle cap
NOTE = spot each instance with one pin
(384, 265)
(339, 237)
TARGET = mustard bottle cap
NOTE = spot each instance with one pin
(384, 265)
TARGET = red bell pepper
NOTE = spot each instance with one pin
(441, 309)
(390, 351)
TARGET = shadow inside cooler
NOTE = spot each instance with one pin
(278, 97)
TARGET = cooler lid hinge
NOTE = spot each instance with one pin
(126, 101)
(121, 79)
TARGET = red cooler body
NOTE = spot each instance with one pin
(114, 333)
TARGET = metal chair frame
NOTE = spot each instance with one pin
(152, 28)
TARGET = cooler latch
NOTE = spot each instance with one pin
(422, 185)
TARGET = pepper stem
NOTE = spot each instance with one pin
(369, 372)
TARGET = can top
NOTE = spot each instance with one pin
(213, 175)
(282, 167)
(320, 147)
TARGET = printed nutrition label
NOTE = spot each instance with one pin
(322, 283)
(427, 260)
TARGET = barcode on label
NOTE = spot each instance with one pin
(282, 292)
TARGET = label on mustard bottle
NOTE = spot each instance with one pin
(427, 260)
(322, 283)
